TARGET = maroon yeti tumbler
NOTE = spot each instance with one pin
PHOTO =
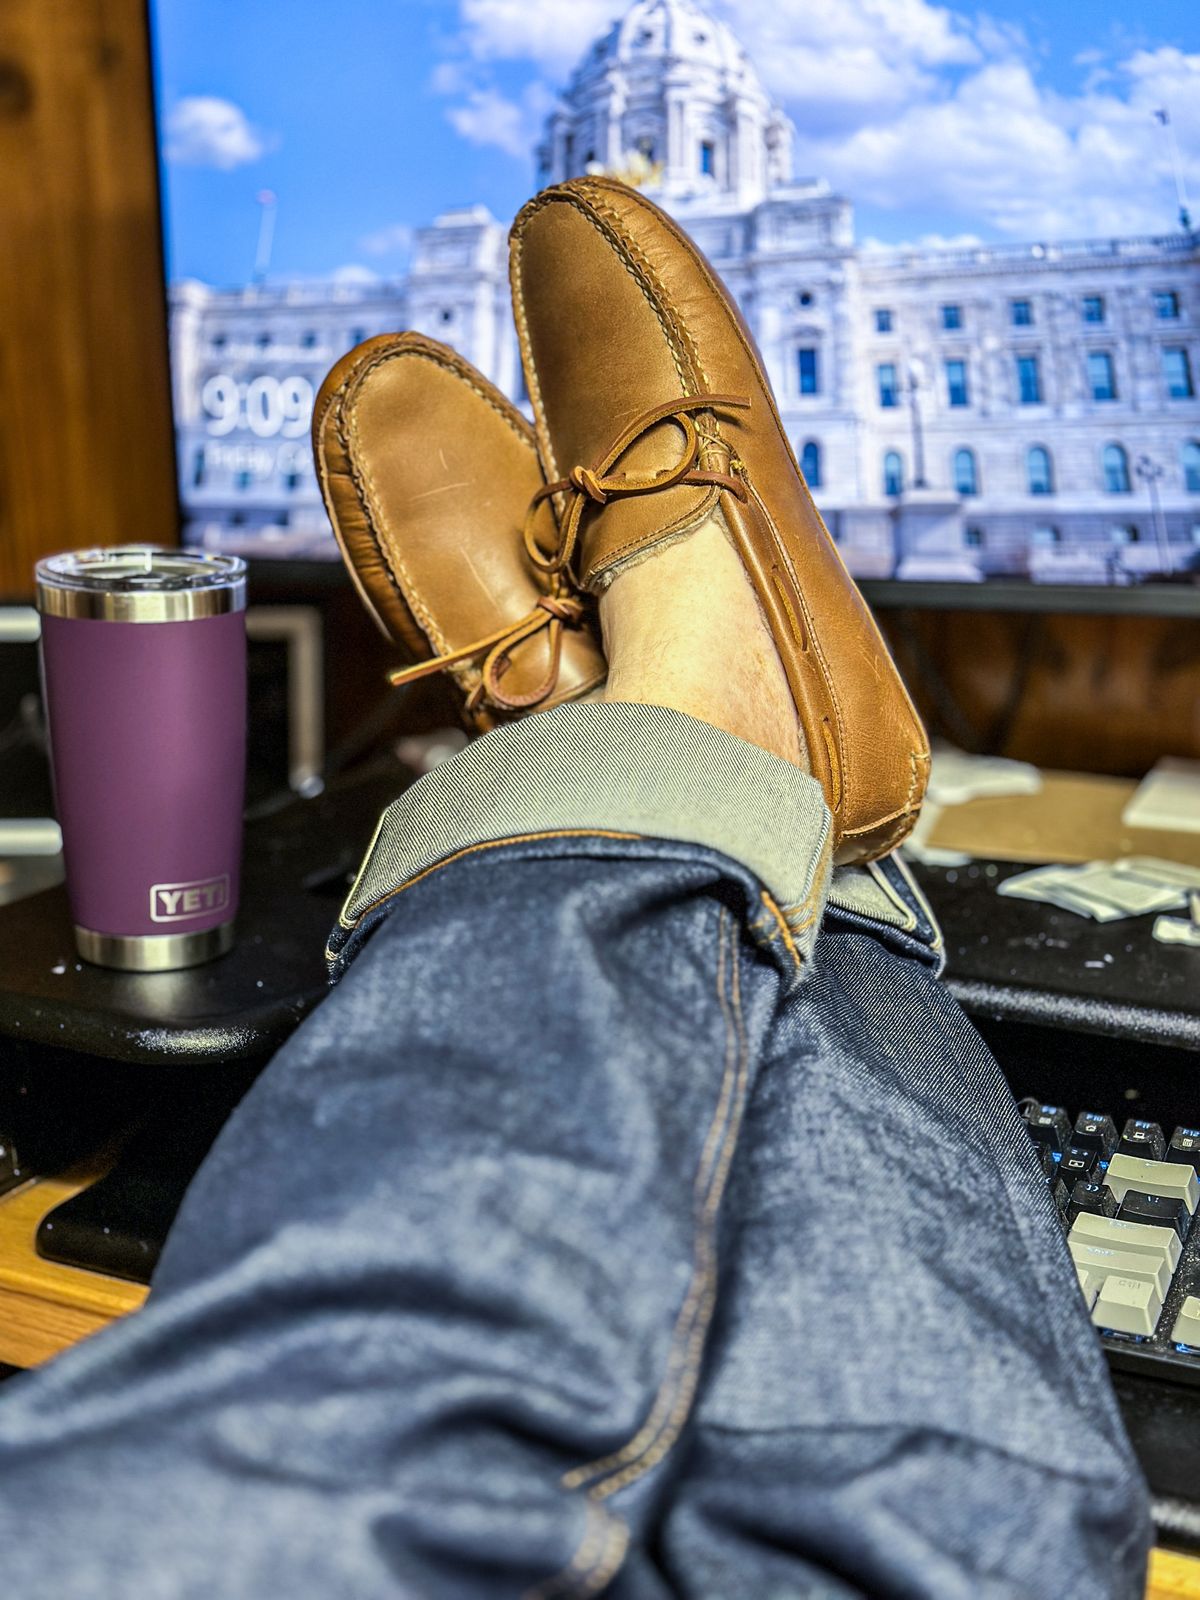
(144, 665)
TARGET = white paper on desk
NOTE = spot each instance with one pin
(1156, 870)
(955, 776)
(1174, 930)
(1168, 797)
(1070, 890)
(1128, 891)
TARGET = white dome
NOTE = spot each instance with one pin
(668, 31)
(669, 99)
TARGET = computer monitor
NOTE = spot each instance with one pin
(994, 418)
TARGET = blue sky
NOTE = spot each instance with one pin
(941, 122)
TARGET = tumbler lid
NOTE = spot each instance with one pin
(140, 583)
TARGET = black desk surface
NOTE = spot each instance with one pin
(298, 864)
(1019, 961)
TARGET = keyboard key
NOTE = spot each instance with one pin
(1076, 1163)
(1093, 1132)
(1103, 1263)
(1135, 1236)
(1185, 1147)
(1187, 1323)
(1049, 1125)
(1159, 1210)
(1127, 1305)
(1096, 1198)
(1153, 1177)
(1140, 1138)
(1090, 1284)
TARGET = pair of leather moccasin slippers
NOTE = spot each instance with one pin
(477, 542)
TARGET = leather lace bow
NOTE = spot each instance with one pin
(599, 484)
(552, 612)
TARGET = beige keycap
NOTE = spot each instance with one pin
(1103, 1263)
(1141, 1237)
(1090, 1283)
(1127, 1305)
(1187, 1323)
(1171, 1178)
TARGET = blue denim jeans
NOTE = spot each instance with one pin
(637, 1216)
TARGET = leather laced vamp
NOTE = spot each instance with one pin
(584, 486)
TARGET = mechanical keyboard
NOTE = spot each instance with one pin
(1127, 1200)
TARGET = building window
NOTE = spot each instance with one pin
(1093, 308)
(956, 383)
(806, 368)
(1039, 471)
(883, 320)
(1101, 381)
(1044, 537)
(241, 480)
(309, 340)
(1116, 469)
(951, 318)
(291, 480)
(1123, 533)
(446, 314)
(966, 478)
(357, 335)
(1166, 305)
(973, 538)
(219, 341)
(889, 394)
(1029, 383)
(198, 468)
(1191, 466)
(1021, 312)
(804, 298)
(1177, 373)
(708, 157)
(893, 473)
(645, 147)
(810, 463)
(263, 341)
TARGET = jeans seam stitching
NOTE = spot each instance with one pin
(676, 1393)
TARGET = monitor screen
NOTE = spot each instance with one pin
(963, 244)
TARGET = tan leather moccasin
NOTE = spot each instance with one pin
(653, 412)
(426, 472)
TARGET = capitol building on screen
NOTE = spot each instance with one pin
(1026, 411)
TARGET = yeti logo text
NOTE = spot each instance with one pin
(177, 902)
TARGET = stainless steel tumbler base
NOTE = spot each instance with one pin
(155, 952)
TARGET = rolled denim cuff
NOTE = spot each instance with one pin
(613, 770)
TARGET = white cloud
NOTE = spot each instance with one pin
(205, 131)
(353, 272)
(551, 33)
(396, 238)
(905, 105)
(1000, 149)
(488, 117)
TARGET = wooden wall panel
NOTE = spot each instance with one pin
(86, 452)
(1092, 694)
